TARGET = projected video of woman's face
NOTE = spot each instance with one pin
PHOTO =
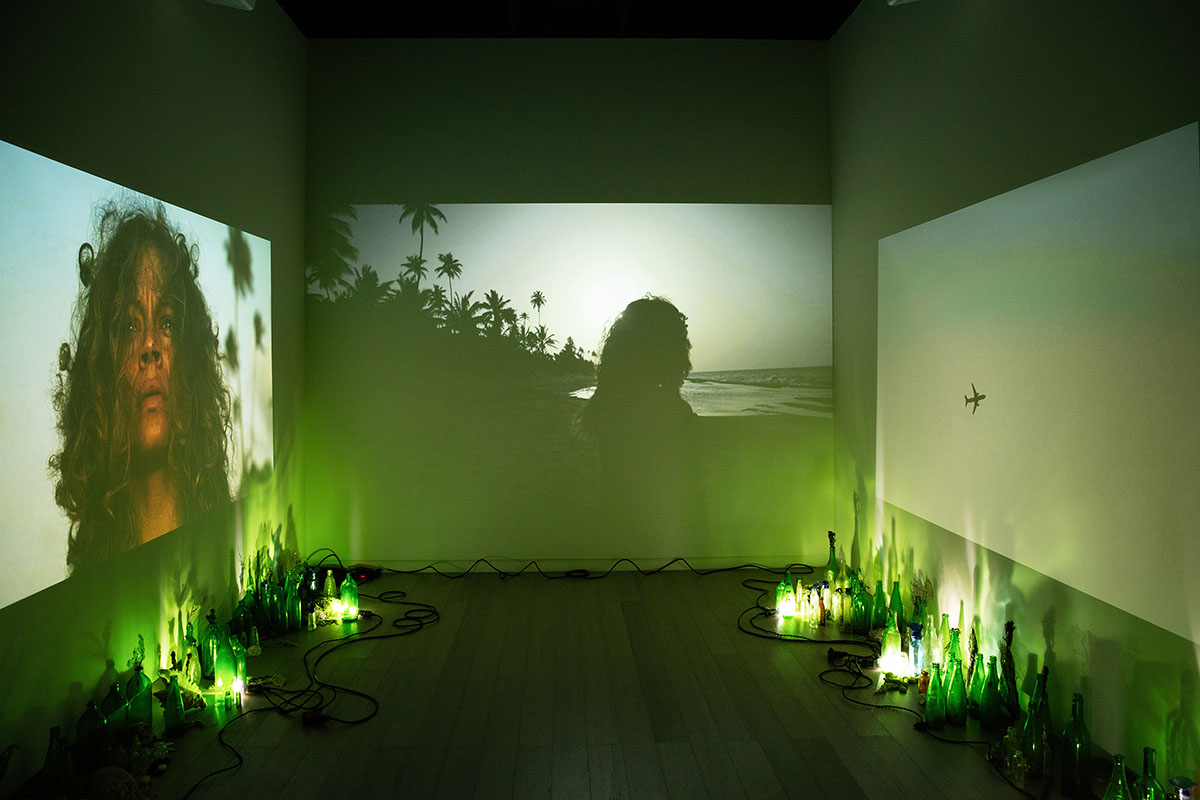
(143, 396)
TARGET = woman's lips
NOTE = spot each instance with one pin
(153, 401)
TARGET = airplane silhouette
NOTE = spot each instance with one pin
(974, 399)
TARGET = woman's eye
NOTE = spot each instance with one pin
(168, 326)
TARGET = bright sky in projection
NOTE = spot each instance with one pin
(753, 280)
(1072, 304)
(46, 213)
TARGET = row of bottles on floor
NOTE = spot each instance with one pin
(985, 690)
(219, 655)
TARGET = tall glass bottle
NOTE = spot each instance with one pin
(956, 695)
(1147, 786)
(943, 640)
(112, 708)
(861, 615)
(896, 606)
(975, 689)
(1118, 789)
(173, 707)
(879, 607)
(1077, 753)
(140, 701)
(916, 648)
(935, 700)
(89, 733)
(991, 713)
(962, 626)
(225, 663)
(833, 570)
(292, 605)
(1008, 677)
(1033, 735)
(208, 646)
(890, 652)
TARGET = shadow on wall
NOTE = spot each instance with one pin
(427, 446)
(1139, 681)
(74, 639)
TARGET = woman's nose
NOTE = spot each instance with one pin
(151, 352)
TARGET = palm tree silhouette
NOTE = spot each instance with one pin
(543, 338)
(334, 253)
(414, 265)
(366, 288)
(465, 316)
(496, 313)
(537, 300)
(451, 268)
(410, 299)
(422, 214)
(437, 302)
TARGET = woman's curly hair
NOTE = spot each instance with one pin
(644, 360)
(97, 409)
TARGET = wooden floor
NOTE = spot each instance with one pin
(629, 686)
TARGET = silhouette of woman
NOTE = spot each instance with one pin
(644, 431)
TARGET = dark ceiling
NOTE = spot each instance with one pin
(797, 19)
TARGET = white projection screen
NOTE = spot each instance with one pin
(47, 210)
(1073, 304)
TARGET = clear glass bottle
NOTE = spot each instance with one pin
(916, 647)
(1077, 753)
(1033, 736)
(1118, 789)
(1147, 787)
(935, 700)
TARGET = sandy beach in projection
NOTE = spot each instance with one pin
(800, 391)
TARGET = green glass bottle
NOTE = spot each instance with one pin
(173, 707)
(860, 618)
(896, 606)
(349, 598)
(1008, 677)
(140, 700)
(239, 655)
(833, 570)
(1118, 789)
(1077, 754)
(943, 640)
(991, 711)
(1147, 786)
(112, 708)
(952, 648)
(878, 607)
(89, 736)
(208, 646)
(962, 627)
(1033, 735)
(975, 686)
(935, 700)
(225, 663)
(956, 696)
(890, 651)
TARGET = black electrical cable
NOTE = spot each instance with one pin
(311, 701)
(584, 574)
(852, 666)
